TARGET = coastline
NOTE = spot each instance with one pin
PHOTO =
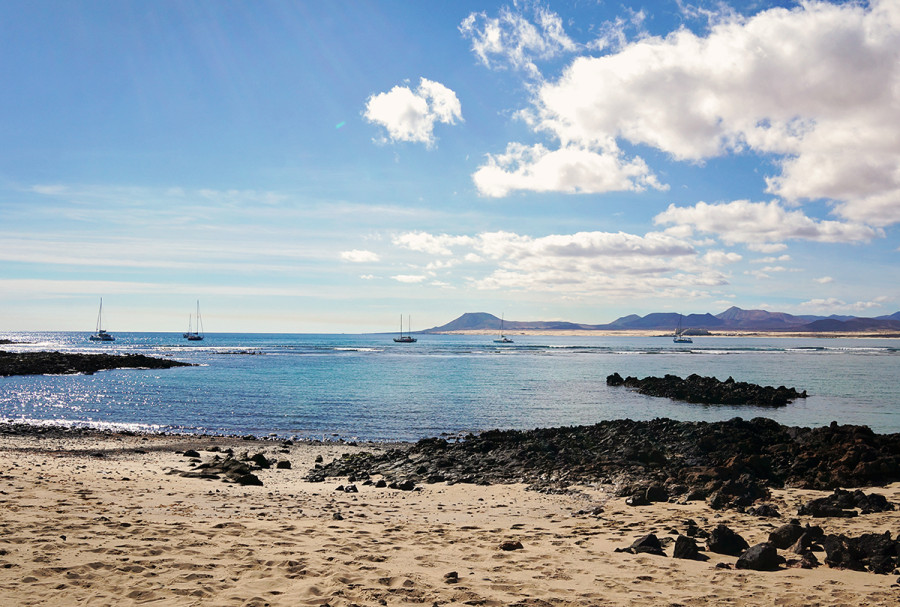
(97, 517)
(635, 333)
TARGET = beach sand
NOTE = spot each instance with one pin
(98, 521)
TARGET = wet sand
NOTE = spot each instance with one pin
(97, 520)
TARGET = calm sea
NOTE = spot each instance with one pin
(367, 387)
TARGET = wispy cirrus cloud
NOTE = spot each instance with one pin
(515, 40)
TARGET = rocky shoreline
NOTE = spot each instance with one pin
(60, 363)
(729, 464)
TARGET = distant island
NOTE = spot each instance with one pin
(734, 320)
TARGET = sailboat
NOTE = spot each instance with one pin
(679, 337)
(503, 339)
(101, 334)
(404, 339)
(196, 335)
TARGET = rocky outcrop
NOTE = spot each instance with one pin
(709, 390)
(60, 363)
(731, 464)
(874, 552)
(843, 503)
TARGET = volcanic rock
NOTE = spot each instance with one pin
(709, 390)
(249, 479)
(786, 535)
(734, 462)
(648, 544)
(761, 557)
(59, 363)
(843, 503)
(876, 552)
(723, 540)
(686, 548)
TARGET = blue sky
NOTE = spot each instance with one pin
(327, 166)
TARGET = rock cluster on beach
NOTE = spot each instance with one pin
(730, 464)
(875, 552)
(226, 466)
(709, 390)
(60, 363)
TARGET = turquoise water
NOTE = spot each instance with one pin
(367, 387)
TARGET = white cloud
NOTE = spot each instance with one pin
(514, 40)
(824, 280)
(573, 170)
(757, 223)
(767, 271)
(409, 278)
(584, 264)
(816, 86)
(720, 258)
(830, 304)
(411, 115)
(771, 259)
(430, 243)
(359, 256)
(759, 247)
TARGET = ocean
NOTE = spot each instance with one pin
(366, 387)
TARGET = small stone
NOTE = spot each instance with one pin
(511, 545)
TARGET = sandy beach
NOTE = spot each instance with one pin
(99, 520)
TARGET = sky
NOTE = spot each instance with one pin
(326, 167)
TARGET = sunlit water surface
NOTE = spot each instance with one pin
(367, 387)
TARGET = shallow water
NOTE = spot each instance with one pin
(367, 387)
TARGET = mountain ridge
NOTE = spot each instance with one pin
(732, 319)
